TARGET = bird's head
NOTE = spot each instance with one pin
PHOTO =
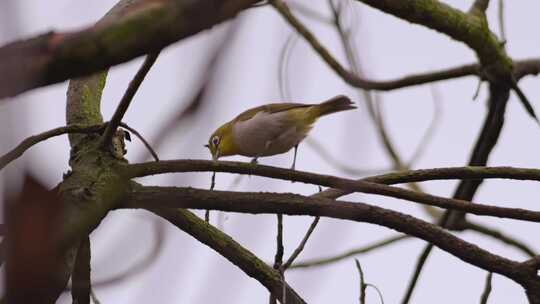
(221, 142)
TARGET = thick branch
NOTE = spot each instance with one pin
(230, 249)
(141, 29)
(399, 177)
(365, 186)
(154, 197)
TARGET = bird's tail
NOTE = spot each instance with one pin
(335, 104)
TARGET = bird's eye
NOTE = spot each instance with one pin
(215, 141)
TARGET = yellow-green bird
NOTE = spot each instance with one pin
(272, 128)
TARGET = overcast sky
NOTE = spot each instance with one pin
(189, 272)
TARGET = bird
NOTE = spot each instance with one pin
(271, 129)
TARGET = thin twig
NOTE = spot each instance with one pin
(417, 270)
(362, 297)
(231, 250)
(498, 235)
(353, 252)
(430, 131)
(32, 140)
(366, 84)
(94, 297)
(379, 293)
(127, 98)
(141, 138)
(289, 263)
(212, 186)
(478, 88)
(278, 258)
(487, 289)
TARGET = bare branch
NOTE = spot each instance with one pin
(364, 186)
(289, 263)
(487, 289)
(291, 204)
(143, 28)
(350, 253)
(141, 138)
(35, 139)
(127, 98)
(398, 177)
(498, 235)
(230, 249)
(365, 84)
(420, 262)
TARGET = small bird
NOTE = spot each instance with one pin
(272, 128)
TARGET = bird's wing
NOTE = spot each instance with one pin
(258, 128)
(269, 108)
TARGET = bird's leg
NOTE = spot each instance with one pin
(253, 163)
(294, 157)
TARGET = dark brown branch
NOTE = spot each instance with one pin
(487, 289)
(278, 258)
(143, 28)
(349, 253)
(229, 249)
(420, 262)
(291, 204)
(489, 135)
(32, 140)
(533, 263)
(398, 177)
(127, 98)
(364, 186)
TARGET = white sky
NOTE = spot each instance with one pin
(188, 272)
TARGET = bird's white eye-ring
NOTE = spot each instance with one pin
(215, 141)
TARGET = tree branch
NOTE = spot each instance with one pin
(398, 177)
(228, 248)
(498, 235)
(487, 289)
(364, 186)
(349, 253)
(291, 204)
(35, 139)
(127, 98)
(144, 27)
